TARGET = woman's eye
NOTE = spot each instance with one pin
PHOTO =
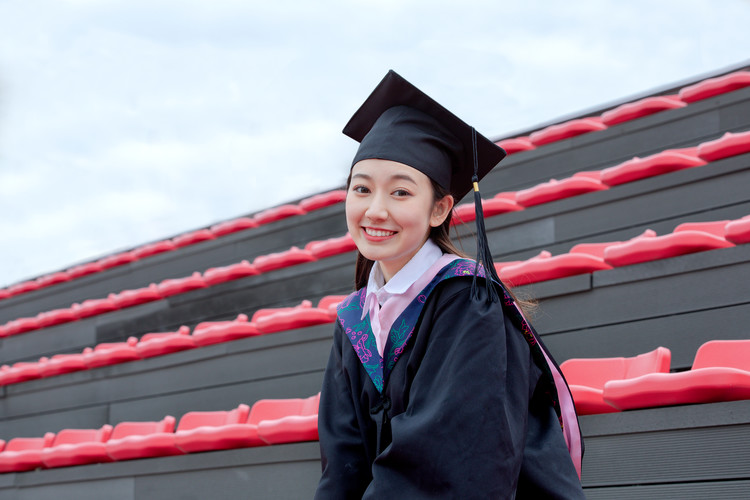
(360, 189)
(401, 192)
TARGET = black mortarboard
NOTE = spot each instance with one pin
(401, 123)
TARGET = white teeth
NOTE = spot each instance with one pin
(374, 232)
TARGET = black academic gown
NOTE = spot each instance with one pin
(464, 413)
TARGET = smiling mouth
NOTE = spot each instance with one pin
(378, 232)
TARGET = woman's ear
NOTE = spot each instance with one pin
(440, 210)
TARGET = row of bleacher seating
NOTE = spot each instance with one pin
(720, 372)
(268, 422)
(625, 173)
(730, 144)
(582, 258)
(264, 321)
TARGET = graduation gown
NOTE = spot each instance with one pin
(458, 407)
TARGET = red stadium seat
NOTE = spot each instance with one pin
(330, 303)
(170, 287)
(77, 447)
(498, 205)
(640, 108)
(720, 372)
(23, 454)
(586, 377)
(111, 353)
(117, 259)
(516, 144)
(216, 430)
(595, 249)
(4, 293)
(301, 316)
(19, 372)
(61, 363)
(129, 298)
(277, 213)
(727, 145)
(715, 86)
(286, 420)
(155, 248)
(545, 267)
(56, 316)
(566, 130)
(648, 246)
(213, 332)
(158, 344)
(323, 200)
(53, 279)
(193, 237)
(546, 192)
(216, 275)
(291, 257)
(84, 269)
(664, 162)
(738, 231)
(331, 246)
(93, 307)
(233, 226)
(714, 227)
(21, 325)
(132, 440)
(23, 287)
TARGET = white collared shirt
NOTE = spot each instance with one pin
(379, 292)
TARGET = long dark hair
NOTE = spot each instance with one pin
(440, 235)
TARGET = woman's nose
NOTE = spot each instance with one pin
(376, 209)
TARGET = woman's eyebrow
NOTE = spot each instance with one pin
(403, 177)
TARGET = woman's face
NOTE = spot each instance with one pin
(390, 208)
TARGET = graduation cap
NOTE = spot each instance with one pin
(399, 122)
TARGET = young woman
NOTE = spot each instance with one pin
(436, 386)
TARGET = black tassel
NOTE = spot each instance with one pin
(484, 255)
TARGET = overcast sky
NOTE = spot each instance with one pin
(124, 122)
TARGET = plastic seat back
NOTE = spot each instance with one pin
(75, 436)
(273, 409)
(656, 361)
(593, 372)
(124, 429)
(35, 443)
(195, 419)
(723, 353)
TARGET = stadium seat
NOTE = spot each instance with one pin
(516, 144)
(93, 307)
(661, 163)
(729, 144)
(117, 259)
(715, 86)
(193, 237)
(4, 293)
(330, 303)
(586, 377)
(158, 344)
(291, 257)
(319, 201)
(578, 184)
(720, 372)
(53, 279)
(24, 454)
(170, 287)
(233, 226)
(498, 205)
(132, 440)
(23, 287)
(56, 317)
(641, 108)
(155, 248)
(77, 447)
(566, 130)
(21, 325)
(301, 316)
(716, 228)
(216, 430)
(286, 420)
(738, 231)
(545, 267)
(648, 246)
(595, 249)
(277, 213)
(84, 270)
(216, 275)
(214, 332)
(61, 363)
(111, 353)
(129, 298)
(331, 246)
(19, 372)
